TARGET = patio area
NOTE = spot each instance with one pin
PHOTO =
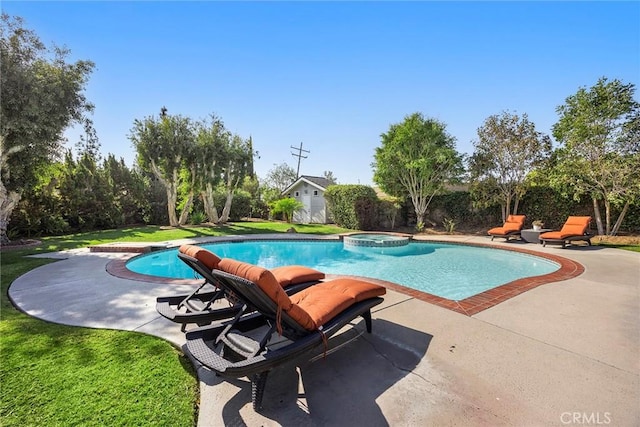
(559, 354)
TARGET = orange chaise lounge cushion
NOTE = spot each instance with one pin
(574, 226)
(294, 274)
(325, 301)
(261, 277)
(513, 223)
(286, 276)
(206, 257)
(312, 307)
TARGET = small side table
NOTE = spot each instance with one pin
(533, 236)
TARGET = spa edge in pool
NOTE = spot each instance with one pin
(376, 240)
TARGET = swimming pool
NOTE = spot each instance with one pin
(446, 270)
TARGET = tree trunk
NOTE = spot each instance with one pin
(227, 207)
(186, 210)
(184, 215)
(618, 223)
(209, 204)
(420, 208)
(232, 184)
(8, 201)
(393, 215)
(172, 201)
(607, 216)
(515, 205)
(420, 213)
(596, 213)
(171, 187)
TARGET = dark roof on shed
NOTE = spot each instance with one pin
(318, 180)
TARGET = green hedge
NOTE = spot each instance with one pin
(353, 206)
(458, 207)
(551, 208)
(538, 203)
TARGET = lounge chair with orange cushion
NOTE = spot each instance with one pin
(283, 327)
(511, 228)
(212, 300)
(576, 228)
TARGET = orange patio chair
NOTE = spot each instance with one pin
(282, 327)
(576, 228)
(200, 306)
(511, 228)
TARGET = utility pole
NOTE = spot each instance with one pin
(299, 156)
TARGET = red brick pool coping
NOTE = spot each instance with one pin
(468, 306)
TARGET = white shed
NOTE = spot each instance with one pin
(309, 190)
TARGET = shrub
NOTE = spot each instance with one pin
(389, 211)
(197, 217)
(287, 207)
(353, 206)
(259, 209)
(449, 225)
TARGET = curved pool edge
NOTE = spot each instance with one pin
(468, 306)
(118, 268)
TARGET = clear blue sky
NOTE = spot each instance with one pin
(335, 75)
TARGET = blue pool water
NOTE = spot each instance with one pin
(447, 270)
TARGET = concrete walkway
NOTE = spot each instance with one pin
(565, 353)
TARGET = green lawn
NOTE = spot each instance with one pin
(629, 247)
(54, 375)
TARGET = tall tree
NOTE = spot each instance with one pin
(86, 197)
(507, 149)
(164, 146)
(238, 155)
(211, 142)
(328, 175)
(417, 158)
(130, 190)
(251, 173)
(222, 162)
(42, 95)
(281, 176)
(599, 131)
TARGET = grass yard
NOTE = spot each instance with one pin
(57, 375)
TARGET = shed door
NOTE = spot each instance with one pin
(306, 212)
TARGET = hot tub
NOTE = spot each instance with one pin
(376, 240)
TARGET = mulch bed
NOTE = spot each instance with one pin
(19, 244)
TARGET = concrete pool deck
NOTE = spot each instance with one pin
(564, 353)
